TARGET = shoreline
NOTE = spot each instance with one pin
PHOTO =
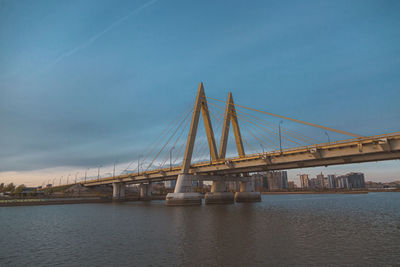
(88, 200)
(59, 201)
(314, 192)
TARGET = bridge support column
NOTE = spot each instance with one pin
(247, 193)
(145, 191)
(149, 190)
(118, 191)
(218, 194)
(183, 193)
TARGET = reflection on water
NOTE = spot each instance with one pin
(281, 230)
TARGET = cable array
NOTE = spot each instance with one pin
(258, 133)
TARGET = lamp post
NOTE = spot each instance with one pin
(114, 170)
(98, 172)
(280, 136)
(60, 179)
(170, 158)
(138, 164)
(329, 140)
(86, 173)
(261, 145)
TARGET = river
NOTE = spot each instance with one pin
(324, 229)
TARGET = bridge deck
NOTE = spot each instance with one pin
(366, 149)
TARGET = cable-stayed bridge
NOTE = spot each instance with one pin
(261, 145)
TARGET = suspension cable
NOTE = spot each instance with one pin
(169, 139)
(273, 127)
(150, 147)
(295, 120)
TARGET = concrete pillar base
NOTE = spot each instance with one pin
(248, 197)
(145, 191)
(183, 193)
(219, 198)
(181, 199)
(118, 191)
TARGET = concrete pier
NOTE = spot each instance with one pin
(183, 193)
(145, 191)
(218, 194)
(247, 193)
(118, 191)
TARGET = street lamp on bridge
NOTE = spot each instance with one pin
(329, 140)
(170, 157)
(138, 164)
(280, 136)
(98, 172)
(86, 173)
(262, 146)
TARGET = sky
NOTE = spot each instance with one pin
(90, 83)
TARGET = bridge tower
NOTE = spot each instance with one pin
(219, 193)
(184, 193)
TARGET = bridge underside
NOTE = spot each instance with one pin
(376, 148)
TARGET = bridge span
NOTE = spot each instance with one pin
(220, 169)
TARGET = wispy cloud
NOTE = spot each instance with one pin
(95, 37)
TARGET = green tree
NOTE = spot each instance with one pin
(10, 187)
(2, 187)
(19, 189)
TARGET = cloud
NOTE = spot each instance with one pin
(95, 37)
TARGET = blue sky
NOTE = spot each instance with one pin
(88, 83)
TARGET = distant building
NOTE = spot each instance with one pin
(277, 180)
(317, 183)
(331, 181)
(314, 183)
(351, 180)
(304, 181)
(31, 191)
(355, 180)
(291, 185)
(198, 183)
(342, 182)
(170, 184)
(321, 181)
(258, 181)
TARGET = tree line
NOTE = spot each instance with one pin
(12, 188)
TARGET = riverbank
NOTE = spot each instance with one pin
(58, 201)
(314, 192)
(72, 200)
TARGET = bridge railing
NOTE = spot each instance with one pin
(254, 155)
(319, 145)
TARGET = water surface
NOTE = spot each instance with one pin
(330, 229)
